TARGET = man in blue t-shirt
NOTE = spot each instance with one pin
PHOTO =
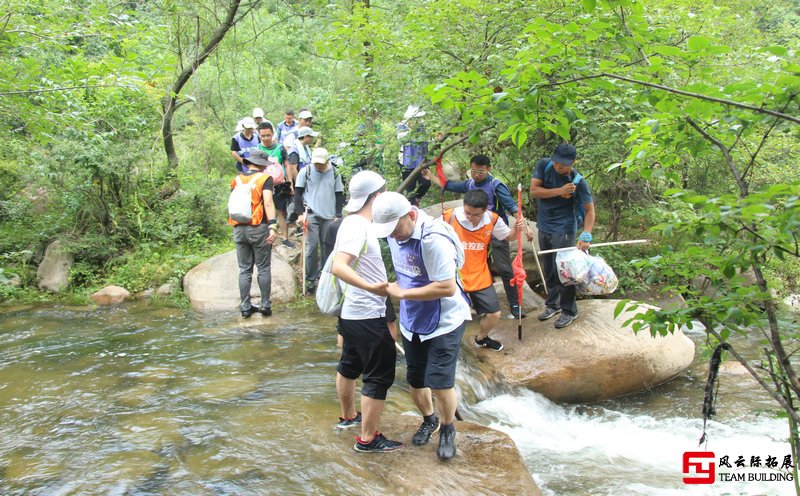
(561, 192)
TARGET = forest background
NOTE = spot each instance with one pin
(117, 119)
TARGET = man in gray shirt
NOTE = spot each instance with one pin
(318, 188)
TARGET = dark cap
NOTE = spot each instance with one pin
(564, 154)
(257, 157)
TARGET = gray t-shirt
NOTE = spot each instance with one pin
(360, 304)
(320, 190)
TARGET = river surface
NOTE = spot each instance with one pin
(146, 400)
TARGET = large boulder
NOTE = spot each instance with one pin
(214, 284)
(593, 359)
(531, 301)
(487, 462)
(110, 295)
(53, 272)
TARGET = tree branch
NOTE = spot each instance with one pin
(725, 152)
(67, 88)
(764, 138)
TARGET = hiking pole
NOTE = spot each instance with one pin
(303, 249)
(598, 245)
(403, 352)
(521, 275)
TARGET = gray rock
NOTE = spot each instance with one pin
(593, 359)
(53, 273)
(165, 289)
(213, 285)
(110, 295)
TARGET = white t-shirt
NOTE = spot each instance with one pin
(360, 304)
(499, 231)
(438, 257)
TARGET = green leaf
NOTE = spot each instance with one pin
(589, 5)
(777, 50)
(698, 43)
(620, 307)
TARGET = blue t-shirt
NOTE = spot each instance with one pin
(556, 214)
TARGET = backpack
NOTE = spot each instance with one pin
(240, 202)
(580, 212)
(275, 170)
(330, 294)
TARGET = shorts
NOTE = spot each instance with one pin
(391, 315)
(282, 197)
(484, 300)
(432, 363)
(368, 350)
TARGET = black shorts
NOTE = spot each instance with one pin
(368, 350)
(391, 315)
(484, 300)
(281, 197)
(432, 363)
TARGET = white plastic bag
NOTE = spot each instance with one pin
(330, 294)
(572, 266)
(601, 278)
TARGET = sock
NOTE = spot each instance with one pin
(429, 418)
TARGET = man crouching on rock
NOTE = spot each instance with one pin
(426, 254)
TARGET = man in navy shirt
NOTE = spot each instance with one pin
(561, 192)
(500, 202)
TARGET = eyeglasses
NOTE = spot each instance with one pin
(478, 172)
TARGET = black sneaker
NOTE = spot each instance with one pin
(517, 312)
(549, 313)
(348, 423)
(250, 311)
(488, 342)
(266, 312)
(447, 442)
(288, 244)
(379, 444)
(425, 431)
(565, 320)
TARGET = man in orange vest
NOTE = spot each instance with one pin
(254, 238)
(475, 226)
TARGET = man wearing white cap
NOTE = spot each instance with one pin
(426, 255)
(305, 119)
(300, 151)
(243, 142)
(258, 116)
(320, 189)
(368, 347)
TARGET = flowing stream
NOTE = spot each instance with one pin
(146, 400)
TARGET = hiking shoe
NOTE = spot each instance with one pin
(379, 444)
(345, 424)
(565, 320)
(250, 311)
(447, 442)
(288, 244)
(517, 312)
(266, 312)
(488, 342)
(427, 429)
(548, 313)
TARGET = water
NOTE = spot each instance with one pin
(143, 400)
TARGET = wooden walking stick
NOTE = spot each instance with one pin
(303, 249)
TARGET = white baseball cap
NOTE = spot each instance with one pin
(319, 156)
(305, 114)
(388, 208)
(258, 112)
(248, 123)
(361, 186)
(304, 131)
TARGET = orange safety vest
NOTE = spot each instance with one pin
(257, 199)
(475, 273)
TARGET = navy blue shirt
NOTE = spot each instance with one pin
(557, 215)
(503, 201)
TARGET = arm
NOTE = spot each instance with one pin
(341, 268)
(505, 198)
(299, 210)
(339, 203)
(235, 151)
(537, 190)
(433, 291)
(433, 178)
(588, 224)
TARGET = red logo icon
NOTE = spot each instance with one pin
(699, 467)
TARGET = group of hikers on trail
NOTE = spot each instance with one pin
(442, 264)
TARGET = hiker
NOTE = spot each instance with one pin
(476, 227)
(254, 239)
(500, 202)
(426, 255)
(299, 151)
(258, 118)
(368, 347)
(320, 189)
(562, 193)
(243, 142)
(287, 127)
(414, 148)
(282, 189)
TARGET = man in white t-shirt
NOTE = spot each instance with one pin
(426, 254)
(368, 348)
